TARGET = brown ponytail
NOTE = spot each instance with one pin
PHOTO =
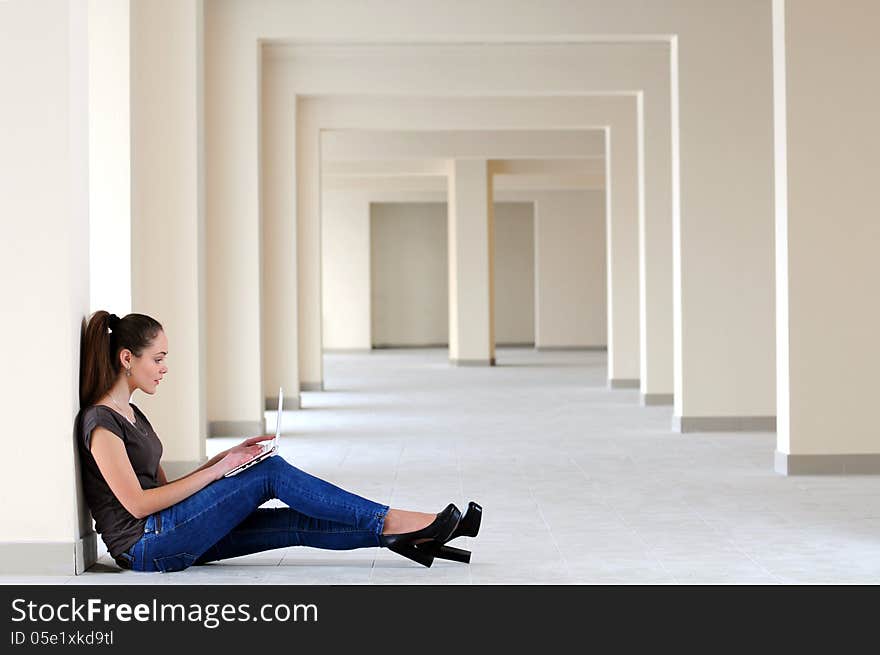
(103, 336)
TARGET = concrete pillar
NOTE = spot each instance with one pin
(308, 256)
(278, 264)
(110, 155)
(723, 280)
(827, 99)
(471, 268)
(167, 212)
(44, 273)
(570, 270)
(655, 248)
(235, 401)
(623, 159)
(345, 271)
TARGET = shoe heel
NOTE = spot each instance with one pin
(454, 554)
(422, 556)
(469, 526)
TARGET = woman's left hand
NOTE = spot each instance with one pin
(254, 440)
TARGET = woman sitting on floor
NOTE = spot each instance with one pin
(151, 524)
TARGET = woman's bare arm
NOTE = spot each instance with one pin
(216, 458)
(109, 453)
(244, 445)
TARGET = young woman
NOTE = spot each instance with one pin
(151, 524)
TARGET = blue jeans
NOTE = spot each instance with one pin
(225, 519)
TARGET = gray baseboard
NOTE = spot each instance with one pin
(347, 351)
(649, 399)
(48, 557)
(850, 464)
(472, 362)
(308, 386)
(175, 469)
(290, 402)
(685, 424)
(410, 346)
(574, 348)
(236, 428)
(621, 383)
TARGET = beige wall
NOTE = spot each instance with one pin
(827, 225)
(407, 145)
(44, 273)
(573, 276)
(570, 258)
(409, 282)
(514, 272)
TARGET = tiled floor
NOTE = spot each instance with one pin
(579, 484)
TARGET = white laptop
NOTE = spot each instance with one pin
(270, 447)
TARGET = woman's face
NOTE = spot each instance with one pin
(149, 369)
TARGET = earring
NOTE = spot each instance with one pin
(128, 372)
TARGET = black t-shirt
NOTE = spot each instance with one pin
(117, 527)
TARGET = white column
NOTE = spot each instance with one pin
(570, 269)
(168, 215)
(44, 282)
(235, 400)
(308, 256)
(827, 100)
(345, 270)
(278, 264)
(624, 208)
(723, 279)
(471, 302)
(110, 155)
(655, 248)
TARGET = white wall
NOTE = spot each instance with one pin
(110, 155)
(44, 273)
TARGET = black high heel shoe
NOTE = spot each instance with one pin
(469, 526)
(440, 530)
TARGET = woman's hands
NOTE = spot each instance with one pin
(243, 452)
(251, 441)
